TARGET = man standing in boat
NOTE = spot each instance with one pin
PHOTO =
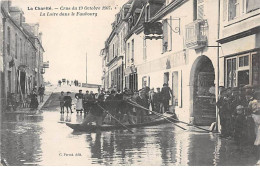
(119, 105)
(96, 113)
(85, 102)
(79, 104)
(141, 100)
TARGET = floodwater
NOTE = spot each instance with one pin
(44, 140)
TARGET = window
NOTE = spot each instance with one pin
(231, 72)
(255, 69)
(243, 61)
(242, 70)
(252, 5)
(238, 7)
(233, 9)
(8, 40)
(146, 81)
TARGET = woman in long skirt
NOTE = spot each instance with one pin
(79, 103)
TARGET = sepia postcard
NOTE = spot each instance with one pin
(130, 82)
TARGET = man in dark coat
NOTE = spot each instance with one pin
(158, 101)
(166, 96)
(68, 102)
(141, 100)
(96, 114)
(225, 112)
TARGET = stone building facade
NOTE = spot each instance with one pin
(22, 54)
(194, 46)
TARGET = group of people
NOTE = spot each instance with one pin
(34, 97)
(239, 111)
(64, 81)
(118, 104)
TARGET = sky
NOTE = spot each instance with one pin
(68, 39)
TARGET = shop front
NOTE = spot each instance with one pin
(241, 59)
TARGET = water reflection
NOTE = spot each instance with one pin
(40, 140)
(79, 117)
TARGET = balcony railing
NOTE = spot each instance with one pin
(196, 34)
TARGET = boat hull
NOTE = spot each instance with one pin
(94, 128)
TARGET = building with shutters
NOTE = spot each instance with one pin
(135, 42)
(23, 65)
(202, 44)
(114, 52)
(184, 56)
(240, 43)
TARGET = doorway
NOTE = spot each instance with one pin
(203, 91)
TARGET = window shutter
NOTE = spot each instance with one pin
(224, 10)
(200, 11)
(170, 28)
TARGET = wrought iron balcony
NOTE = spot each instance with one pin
(196, 34)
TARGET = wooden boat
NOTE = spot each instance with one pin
(94, 128)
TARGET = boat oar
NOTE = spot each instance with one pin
(166, 118)
(115, 119)
(171, 117)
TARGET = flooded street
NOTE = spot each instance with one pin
(44, 139)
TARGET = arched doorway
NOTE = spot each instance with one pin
(203, 91)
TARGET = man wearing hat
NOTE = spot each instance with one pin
(166, 96)
(151, 98)
(141, 100)
(68, 102)
(158, 100)
(225, 112)
(85, 102)
(61, 99)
